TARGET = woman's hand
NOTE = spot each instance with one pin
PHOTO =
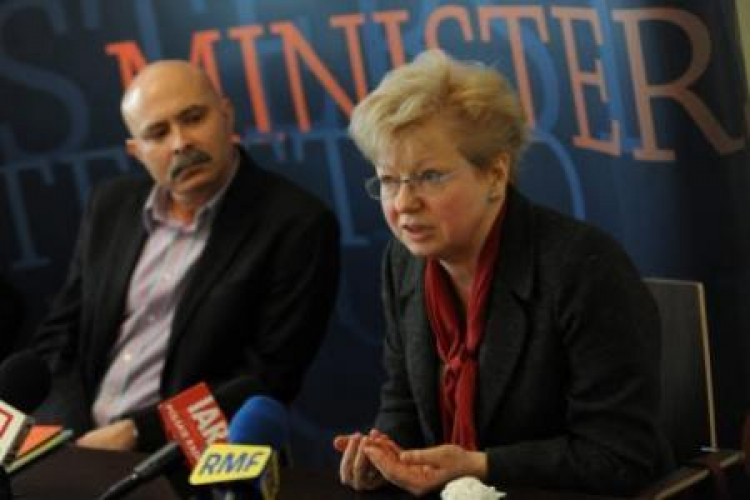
(355, 469)
(421, 471)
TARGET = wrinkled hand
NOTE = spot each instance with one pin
(117, 436)
(355, 469)
(422, 471)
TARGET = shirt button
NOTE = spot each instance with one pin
(127, 357)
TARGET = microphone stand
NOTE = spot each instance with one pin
(6, 492)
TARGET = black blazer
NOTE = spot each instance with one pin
(568, 388)
(254, 310)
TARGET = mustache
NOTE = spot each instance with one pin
(190, 158)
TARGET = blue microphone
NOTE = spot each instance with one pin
(248, 465)
(261, 420)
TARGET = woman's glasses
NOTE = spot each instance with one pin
(427, 182)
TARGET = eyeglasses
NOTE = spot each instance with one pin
(387, 187)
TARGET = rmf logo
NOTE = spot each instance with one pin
(230, 462)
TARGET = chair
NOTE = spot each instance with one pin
(687, 414)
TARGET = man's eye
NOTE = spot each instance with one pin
(156, 134)
(194, 117)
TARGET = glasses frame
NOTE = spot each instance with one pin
(417, 181)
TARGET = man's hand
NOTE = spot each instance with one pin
(117, 436)
(422, 471)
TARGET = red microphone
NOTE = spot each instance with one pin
(192, 421)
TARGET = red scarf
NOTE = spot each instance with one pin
(458, 342)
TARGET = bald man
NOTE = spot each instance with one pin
(210, 270)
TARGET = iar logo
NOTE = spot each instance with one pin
(209, 420)
(230, 462)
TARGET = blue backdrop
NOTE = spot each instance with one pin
(638, 127)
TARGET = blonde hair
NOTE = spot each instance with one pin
(477, 101)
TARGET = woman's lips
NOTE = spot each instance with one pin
(416, 232)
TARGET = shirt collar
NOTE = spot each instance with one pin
(155, 209)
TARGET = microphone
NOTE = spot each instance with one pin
(14, 427)
(24, 381)
(192, 420)
(24, 384)
(6, 492)
(258, 431)
(146, 470)
(261, 420)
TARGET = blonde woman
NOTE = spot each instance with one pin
(521, 346)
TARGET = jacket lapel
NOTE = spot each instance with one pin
(505, 330)
(421, 353)
(230, 227)
(506, 326)
(124, 249)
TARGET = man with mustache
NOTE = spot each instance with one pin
(212, 270)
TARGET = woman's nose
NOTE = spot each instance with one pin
(406, 198)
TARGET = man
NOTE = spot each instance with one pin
(212, 270)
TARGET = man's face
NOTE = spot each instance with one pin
(181, 132)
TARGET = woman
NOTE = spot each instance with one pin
(521, 346)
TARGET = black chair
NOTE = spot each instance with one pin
(687, 414)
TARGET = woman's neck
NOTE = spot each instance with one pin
(461, 278)
(463, 269)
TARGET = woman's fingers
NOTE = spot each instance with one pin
(340, 442)
(346, 467)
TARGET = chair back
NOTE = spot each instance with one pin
(687, 408)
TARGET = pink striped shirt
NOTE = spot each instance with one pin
(137, 357)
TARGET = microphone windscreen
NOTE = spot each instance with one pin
(260, 421)
(24, 381)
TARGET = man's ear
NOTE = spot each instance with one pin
(228, 111)
(131, 145)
